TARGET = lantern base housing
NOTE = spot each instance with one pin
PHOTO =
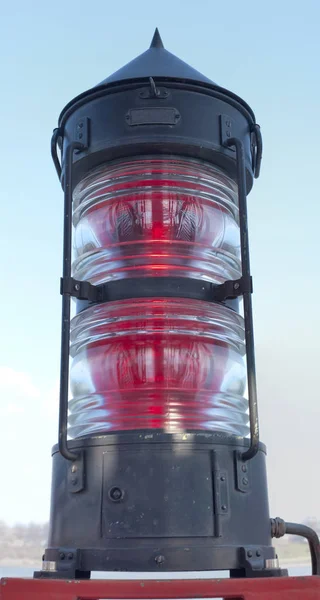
(150, 501)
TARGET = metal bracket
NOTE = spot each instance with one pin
(76, 474)
(84, 290)
(63, 563)
(81, 133)
(226, 130)
(233, 288)
(253, 560)
(242, 473)
(154, 92)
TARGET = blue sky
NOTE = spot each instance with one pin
(268, 53)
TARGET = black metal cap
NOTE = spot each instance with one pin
(156, 62)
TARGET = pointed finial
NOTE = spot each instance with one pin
(156, 40)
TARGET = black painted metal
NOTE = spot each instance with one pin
(149, 494)
(114, 112)
(258, 145)
(247, 304)
(54, 152)
(146, 287)
(158, 62)
(65, 319)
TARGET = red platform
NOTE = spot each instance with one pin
(283, 588)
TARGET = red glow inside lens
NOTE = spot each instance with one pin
(161, 363)
(142, 218)
(158, 364)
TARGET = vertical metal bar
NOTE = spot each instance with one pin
(65, 321)
(247, 303)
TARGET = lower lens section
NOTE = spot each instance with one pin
(161, 363)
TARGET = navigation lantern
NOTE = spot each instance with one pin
(159, 464)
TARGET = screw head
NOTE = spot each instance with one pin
(258, 553)
(70, 556)
(116, 494)
(249, 553)
(159, 559)
(62, 555)
(73, 468)
(236, 286)
(222, 478)
(244, 468)
(77, 287)
(245, 481)
(223, 507)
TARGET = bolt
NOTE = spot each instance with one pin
(244, 468)
(249, 554)
(62, 555)
(70, 556)
(222, 478)
(73, 468)
(245, 481)
(159, 559)
(116, 494)
(258, 553)
(223, 507)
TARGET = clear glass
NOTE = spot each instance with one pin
(156, 217)
(162, 363)
(157, 363)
